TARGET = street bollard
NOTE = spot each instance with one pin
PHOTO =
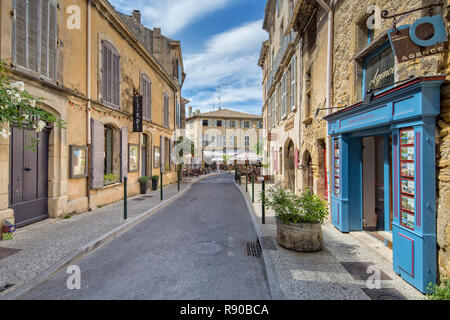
(161, 186)
(179, 176)
(253, 188)
(246, 179)
(263, 196)
(125, 209)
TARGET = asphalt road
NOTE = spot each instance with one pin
(194, 248)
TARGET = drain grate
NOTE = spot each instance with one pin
(254, 249)
(6, 287)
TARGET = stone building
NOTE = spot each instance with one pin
(388, 148)
(294, 72)
(87, 61)
(222, 133)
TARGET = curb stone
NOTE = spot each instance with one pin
(274, 285)
(83, 251)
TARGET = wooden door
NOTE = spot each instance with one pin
(28, 176)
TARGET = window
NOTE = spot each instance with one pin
(379, 68)
(219, 123)
(260, 125)
(166, 110)
(312, 32)
(111, 75)
(232, 140)
(308, 80)
(146, 91)
(205, 123)
(35, 32)
(109, 150)
(293, 95)
(232, 124)
(247, 141)
(246, 124)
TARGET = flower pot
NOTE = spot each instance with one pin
(144, 187)
(154, 184)
(303, 237)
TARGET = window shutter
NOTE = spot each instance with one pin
(52, 39)
(123, 153)
(98, 154)
(115, 80)
(44, 39)
(32, 45)
(149, 95)
(20, 33)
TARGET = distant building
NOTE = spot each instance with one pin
(224, 133)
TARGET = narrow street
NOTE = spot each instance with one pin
(195, 248)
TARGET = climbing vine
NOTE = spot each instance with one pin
(20, 109)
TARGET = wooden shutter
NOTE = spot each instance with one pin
(106, 72)
(123, 153)
(52, 41)
(44, 38)
(115, 80)
(32, 44)
(149, 102)
(98, 151)
(20, 40)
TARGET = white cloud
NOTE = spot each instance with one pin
(171, 15)
(228, 59)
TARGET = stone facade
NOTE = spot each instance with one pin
(223, 132)
(76, 97)
(352, 43)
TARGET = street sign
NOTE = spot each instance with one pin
(137, 114)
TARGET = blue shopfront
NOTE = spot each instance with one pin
(384, 172)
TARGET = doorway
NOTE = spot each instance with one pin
(376, 182)
(28, 195)
(291, 166)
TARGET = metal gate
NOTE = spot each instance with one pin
(28, 195)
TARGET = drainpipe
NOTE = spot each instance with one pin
(88, 95)
(330, 11)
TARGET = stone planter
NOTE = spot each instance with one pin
(303, 237)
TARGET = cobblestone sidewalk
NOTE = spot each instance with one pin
(321, 275)
(44, 243)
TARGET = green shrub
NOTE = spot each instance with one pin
(439, 292)
(290, 208)
(143, 179)
(110, 178)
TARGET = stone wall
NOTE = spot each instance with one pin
(348, 17)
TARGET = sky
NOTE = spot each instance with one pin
(221, 41)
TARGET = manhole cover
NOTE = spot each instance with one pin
(384, 294)
(206, 248)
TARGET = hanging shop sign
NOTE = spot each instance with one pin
(137, 114)
(426, 36)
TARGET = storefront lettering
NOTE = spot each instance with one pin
(380, 77)
(361, 118)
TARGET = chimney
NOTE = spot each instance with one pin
(136, 16)
(190, 111)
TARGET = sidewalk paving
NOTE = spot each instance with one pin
(320, 275)
(44, 243)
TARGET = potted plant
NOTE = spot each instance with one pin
(143, 181)
(155, 180)
(109, 178)
(299, 219)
